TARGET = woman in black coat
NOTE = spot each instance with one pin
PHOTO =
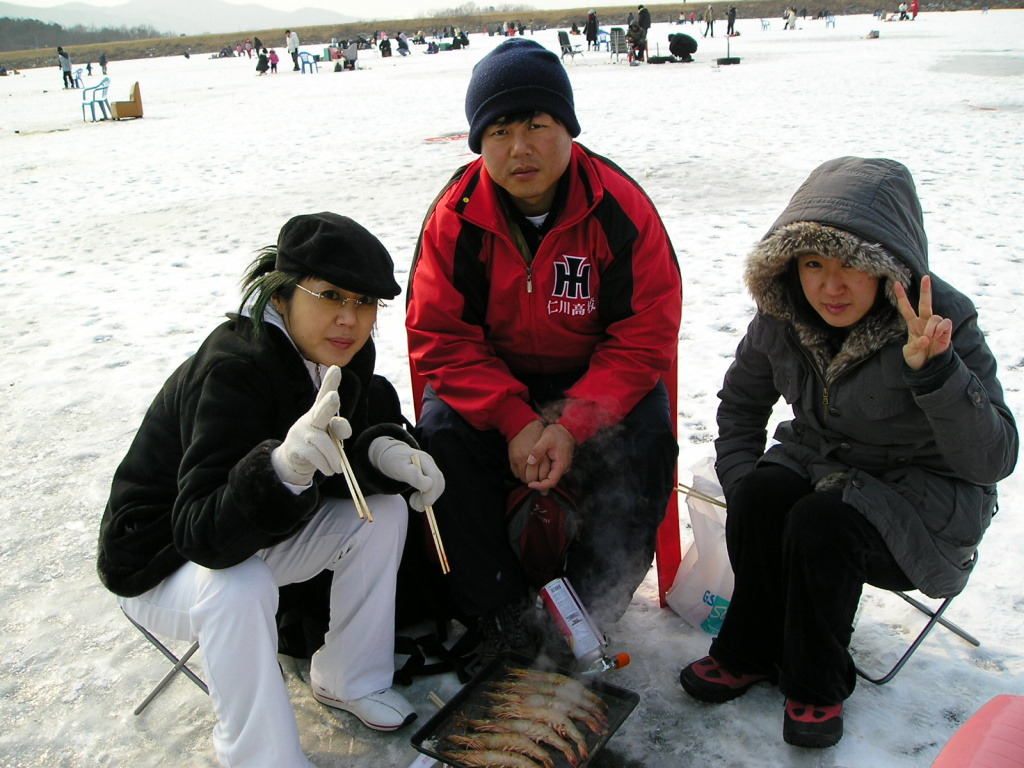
(590, 30)
(231, 490)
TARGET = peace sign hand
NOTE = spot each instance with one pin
(928, 335)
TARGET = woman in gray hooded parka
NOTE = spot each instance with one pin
(885, 474)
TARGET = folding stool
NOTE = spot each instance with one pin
(180, 665)
(934, 617)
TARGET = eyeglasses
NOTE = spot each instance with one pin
(362, 303)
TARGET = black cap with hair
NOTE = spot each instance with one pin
(337, 249)
(518, 76)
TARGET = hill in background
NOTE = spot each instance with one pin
(190, 17)
(475, 22)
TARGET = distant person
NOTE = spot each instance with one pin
(682, 46)
(103, 62)
(590, 29)
(291, 44)
(263, 62)
(64, 62)
(88, 69)
(643, 19)
(403, 44)
(637, 39)
(258, 44)
(915, 8)
(730, 28)
(709, 21)
(248, 48)
(274, 58)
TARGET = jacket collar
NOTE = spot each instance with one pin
(475, 196)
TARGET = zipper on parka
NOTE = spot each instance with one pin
(825, 393)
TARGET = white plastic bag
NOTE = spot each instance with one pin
(704, 581)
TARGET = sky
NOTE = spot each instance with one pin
(121, 248)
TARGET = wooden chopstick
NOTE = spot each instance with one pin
(699, 495)
(362, 508)
(432, 523)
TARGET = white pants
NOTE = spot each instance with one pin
(231, 611)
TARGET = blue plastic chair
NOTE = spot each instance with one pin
(307, 60)
(96, 96)
(78, 77)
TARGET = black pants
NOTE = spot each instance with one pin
(69, 80)
(295, 59)
(623, 474)
(801, 559)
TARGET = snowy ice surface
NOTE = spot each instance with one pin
(122, 244)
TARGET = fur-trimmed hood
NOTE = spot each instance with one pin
(864, 212)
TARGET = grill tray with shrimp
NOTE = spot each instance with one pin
(517, 715)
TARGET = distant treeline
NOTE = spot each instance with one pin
(28, 34)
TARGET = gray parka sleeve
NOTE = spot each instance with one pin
(747, 398)
(975, 431)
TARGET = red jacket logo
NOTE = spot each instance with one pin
(572, 278)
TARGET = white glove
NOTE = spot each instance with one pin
(394, 459)
(308, 447)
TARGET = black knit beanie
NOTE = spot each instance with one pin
(338, 250)
(519, 75)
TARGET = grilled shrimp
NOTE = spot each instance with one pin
(561, 722)
(597, 722)
(490, 759)
(562, 683)
(530, 690)
(504, 742)
(538, 732)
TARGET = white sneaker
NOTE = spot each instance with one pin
(383, 711)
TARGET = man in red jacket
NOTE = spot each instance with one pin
(544, 310)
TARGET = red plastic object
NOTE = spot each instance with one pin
(993, 737)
